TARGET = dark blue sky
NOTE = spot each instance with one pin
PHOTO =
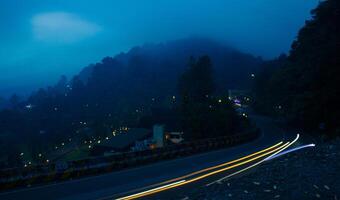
(43, 39)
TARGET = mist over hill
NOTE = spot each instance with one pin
(120, 90)
(162, 63)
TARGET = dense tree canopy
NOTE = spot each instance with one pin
(202, 114)
(305, 87)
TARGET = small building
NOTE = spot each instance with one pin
(158, 135)
(121, 142)
(175, 137)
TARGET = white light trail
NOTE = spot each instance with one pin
(289, 151)
(254, 165)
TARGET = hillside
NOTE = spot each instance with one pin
(304, 87)
(167, 60)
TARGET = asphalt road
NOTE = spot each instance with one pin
(121, 183)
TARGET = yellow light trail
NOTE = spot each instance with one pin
(220, 165)
(210, 168)
(255, 164)
(183, 182)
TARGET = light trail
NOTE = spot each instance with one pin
(204, 170)
(290, 150)
(254, 165)
(183, 182)
(221, 165)
(158, 188)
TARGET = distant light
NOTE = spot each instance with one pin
(70, 139)
(90, 142)
(29, 106)
(29, 162)
(47, 160)
(252, 75)
(220, 101)
(114, 133)
(39, 155)
(55, 108)
(25, 165)
(85, 142)
(237, 101)
(56, 147)
(90, 146)
(107, 138)
(21, 154)
(98, 142)
(153, 99)
(173, 97)
(62, 144)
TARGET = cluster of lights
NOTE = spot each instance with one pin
(247, 98)
(244, 115)
(123, 128)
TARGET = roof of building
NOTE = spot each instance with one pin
(124, 140)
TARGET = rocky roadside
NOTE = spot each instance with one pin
(312, 173)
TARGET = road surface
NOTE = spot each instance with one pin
(133, 181)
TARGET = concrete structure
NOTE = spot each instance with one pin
(158, 135)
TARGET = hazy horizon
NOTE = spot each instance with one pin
(42, 40)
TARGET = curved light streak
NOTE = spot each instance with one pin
(254, 165)
(290, 150)
(204, 170)
(167, 187)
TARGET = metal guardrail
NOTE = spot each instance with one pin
(47, 173)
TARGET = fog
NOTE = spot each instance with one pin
(42, 40)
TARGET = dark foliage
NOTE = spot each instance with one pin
(202, 115)
(119, 91)
(305, 87)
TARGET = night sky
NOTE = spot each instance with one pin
(43, 39)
